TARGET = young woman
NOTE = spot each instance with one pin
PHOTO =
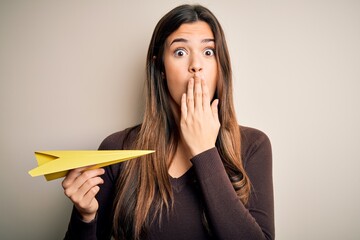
(209, 177)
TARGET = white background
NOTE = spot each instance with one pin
(72, 72)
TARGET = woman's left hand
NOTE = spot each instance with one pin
(199, 122)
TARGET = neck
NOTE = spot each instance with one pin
(180, 163)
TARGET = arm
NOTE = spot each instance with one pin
(228, 217)
(101, 226)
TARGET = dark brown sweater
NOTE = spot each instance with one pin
(204, 188)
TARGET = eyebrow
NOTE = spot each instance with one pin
(206, 40)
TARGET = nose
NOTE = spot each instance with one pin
(195, 65)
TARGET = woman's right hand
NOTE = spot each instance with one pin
(81, 186)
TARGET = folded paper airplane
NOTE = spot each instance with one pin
(56, 164)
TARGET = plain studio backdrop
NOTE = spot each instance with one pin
(72, 72)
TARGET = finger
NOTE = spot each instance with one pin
(71, 176)
(205, 95)
(197, 93)
(190, 96)
(87, 186)
(183, 107)
(90, 195)
(214, 109)
(86, 175)
(81, 179)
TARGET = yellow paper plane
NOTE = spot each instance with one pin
(56, 164)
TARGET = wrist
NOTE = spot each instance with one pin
(195, 152)
(88, 217)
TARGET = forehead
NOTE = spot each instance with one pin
(192, 31)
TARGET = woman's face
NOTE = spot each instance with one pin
(190, 51)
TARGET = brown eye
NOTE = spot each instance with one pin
(209, 52)
(180, 52)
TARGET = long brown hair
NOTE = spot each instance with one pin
(144, 189)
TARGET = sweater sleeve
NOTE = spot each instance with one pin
(227, 215)
(101, 226)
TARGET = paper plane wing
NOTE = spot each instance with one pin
(56, 164)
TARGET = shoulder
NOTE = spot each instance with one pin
(121, 139)
(254, 143)
(118, 141)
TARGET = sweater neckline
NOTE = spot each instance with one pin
(178, 183)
